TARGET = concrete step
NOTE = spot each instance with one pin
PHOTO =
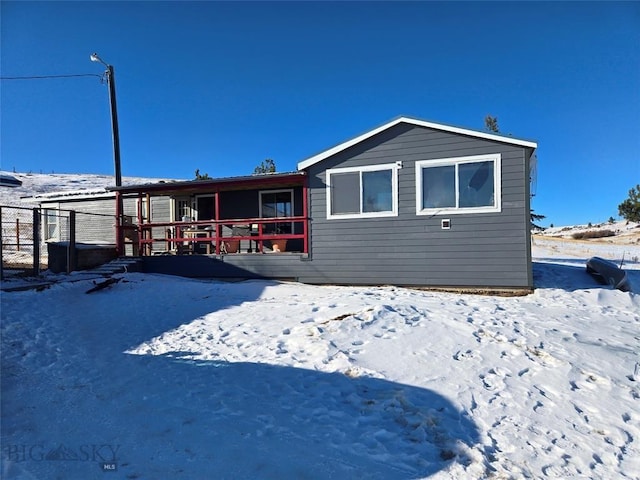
(119, 265)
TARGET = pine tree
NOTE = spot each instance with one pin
(267, 166)
(535, 217)
(630, 208)
(491, 124)
(202, 176)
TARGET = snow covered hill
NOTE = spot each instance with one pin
(163, 377)
(38, 183)
(613, 233)
(617, 241)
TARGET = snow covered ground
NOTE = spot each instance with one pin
(162, 377)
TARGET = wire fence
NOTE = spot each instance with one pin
(35, 239)
(20, 241)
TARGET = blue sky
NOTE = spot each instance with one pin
(220, 87)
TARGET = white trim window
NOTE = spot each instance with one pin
(51, 225)
(182, 209)
(459, 185)
(363, 192)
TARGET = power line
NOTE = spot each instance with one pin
(38, 77)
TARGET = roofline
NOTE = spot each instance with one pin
(420, 123)
(69, 195)
(266, 179)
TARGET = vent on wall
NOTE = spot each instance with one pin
(446, 224)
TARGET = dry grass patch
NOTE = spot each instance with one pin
(593, 234)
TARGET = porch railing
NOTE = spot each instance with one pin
(228, 236)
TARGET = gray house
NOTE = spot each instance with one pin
(408, 203)
(420, 203)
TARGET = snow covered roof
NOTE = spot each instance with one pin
(75, 194)
(420, 123)
(38, 187)
(7, 180)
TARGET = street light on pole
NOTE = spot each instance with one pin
(111, 82)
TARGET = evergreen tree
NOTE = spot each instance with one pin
(491, 124)
(267, 166)
(202, 176)
(535, 217)
(630, 208)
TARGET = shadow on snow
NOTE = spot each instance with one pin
(170, 417)
(571, 275)
(186, 419)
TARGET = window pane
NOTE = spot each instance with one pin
(205, 208)
(277, 204)
(51, 222)
(183, 209)
(377, 191)
(345, 193)
(438, 187)
(476, 184)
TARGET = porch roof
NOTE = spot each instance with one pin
(267, 180)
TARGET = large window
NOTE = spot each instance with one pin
(458, 185)
(362, 192)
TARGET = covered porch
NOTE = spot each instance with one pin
(257, 214)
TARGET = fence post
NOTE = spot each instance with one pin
(36, 241)
(72, 255)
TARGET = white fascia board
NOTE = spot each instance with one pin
(349, 143)
(472, 133)
(412, 121)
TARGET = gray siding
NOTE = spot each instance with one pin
(480, 250)
(95, 218)
(160, 212)
(276, 266)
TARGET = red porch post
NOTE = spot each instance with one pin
(119, 236)
(139, 221)
(305, 214)
(147, 233)
(217, 218)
